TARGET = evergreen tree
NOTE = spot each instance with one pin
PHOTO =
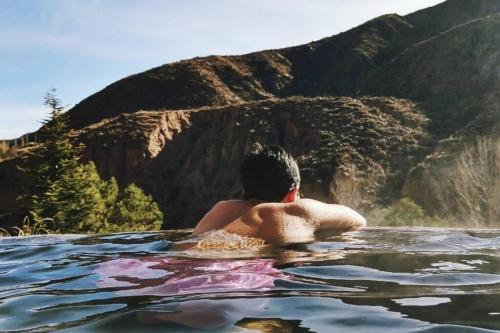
(78, 200)
(109, 194)
(135, 211)
(57, 155)
(73, 196)
(52, 159)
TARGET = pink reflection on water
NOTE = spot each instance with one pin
(167, 276)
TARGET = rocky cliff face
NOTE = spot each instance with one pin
(180, 130)
(189, 159)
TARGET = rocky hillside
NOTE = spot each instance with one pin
(179, 130)
(190, 159)
(455, 75)
(335, 65)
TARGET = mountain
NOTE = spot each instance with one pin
(332, 66)
(375, 105)
(454, 74)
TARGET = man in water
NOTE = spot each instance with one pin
(271, 209)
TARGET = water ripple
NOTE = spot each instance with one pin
(391, 280)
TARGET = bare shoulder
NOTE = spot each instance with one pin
(229, 203)
(221, 214)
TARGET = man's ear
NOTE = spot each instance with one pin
(291, 196)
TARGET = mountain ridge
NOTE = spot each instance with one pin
(306, 68)
(372, 106)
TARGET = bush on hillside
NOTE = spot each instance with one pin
(406, 213)
(135, 211)
(72, 195)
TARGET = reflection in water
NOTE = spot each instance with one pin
(422, 301)
(390, 280)
(170, 276)
(273, 325)
(463, 310)
(204, 314)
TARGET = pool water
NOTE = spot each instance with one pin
(375, 280)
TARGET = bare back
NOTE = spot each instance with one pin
(279, 222)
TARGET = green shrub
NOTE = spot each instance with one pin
(134, 211)
(72, 195)
(76, 200)
(84, 203)
(405, 212)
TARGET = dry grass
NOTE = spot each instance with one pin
(4, 233)
(345, 189)
(29, 229)
(471, 191)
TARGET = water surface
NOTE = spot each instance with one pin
(376, 280)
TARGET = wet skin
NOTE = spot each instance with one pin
(276, 222)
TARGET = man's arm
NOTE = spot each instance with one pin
(329, 216)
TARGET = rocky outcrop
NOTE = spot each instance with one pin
(189, 159)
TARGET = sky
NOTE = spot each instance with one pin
(80, 46)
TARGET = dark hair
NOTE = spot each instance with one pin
(268, 174)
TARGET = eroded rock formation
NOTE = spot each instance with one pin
(189, 159)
